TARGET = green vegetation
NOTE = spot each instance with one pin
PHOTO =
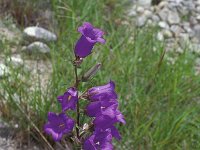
(160, 99)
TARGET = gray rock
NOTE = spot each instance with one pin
(132, 13)
(170, 41)
(193, 13)
(38, 33)
(7, 142)
(148, 13)
(4, 71)
(140, 9)
(167, 33)
(197, 2)
(197, 9)
(184, 38)
(185, 24)
(198, 18)
(173, 18)
(176, 29)
(15, 61)
(193, 20)
(188, 29)
(152, 9)
(163, 14)
(145, 3)
(173, 6)
(191, 34)
(37, 47)
(183, 10)
(163, 25)
(162, 4)
(176, 2)
(155, 18)
(141, 20)
(189, 4)
(197, 31)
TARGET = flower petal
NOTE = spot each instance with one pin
(103, 122)
(107, 146)
(58, 125)
(90, 36)
(89, 144)
(115, 133)
(93, 109)
(120, 117)
(52, 117)
(57, 136)
(101, 40)
(69, 99)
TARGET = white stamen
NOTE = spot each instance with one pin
(98, 143)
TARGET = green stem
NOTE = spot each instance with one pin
(77, 108)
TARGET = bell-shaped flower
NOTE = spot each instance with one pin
(58, 125)
(69, 99)
(98, 108)
(105, 121)
(100, 140)
(106, 92)
(90, 36)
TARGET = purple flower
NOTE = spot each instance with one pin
(100, 140)
(98, 108)
(115, 133)
(69, 99)
(90, 36)
(58, 125)
(105, 121)
(102, 92)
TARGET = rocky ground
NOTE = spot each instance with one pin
(28, 50)
(24, 46)
(8, 143)
(178, 21)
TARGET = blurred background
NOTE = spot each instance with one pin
(152, 53)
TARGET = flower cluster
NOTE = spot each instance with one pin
(103, 101)
(62, 124)
(104, 107)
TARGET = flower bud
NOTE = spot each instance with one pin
(91, 72)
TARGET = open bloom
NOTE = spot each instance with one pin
(58, 125)
(100, 140)
(106, 92)
(105, 121)
(90, 36)
(98, 108)
(69, 99)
